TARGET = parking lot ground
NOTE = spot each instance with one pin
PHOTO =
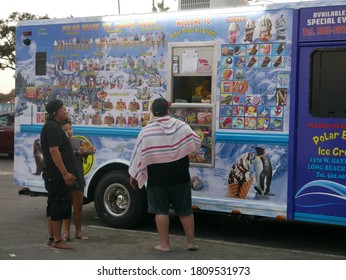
(24, 236)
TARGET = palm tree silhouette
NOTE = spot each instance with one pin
(162, 7)
(154, 8)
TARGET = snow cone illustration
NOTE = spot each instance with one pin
(249, 30)
(265, 29)
(233, 30)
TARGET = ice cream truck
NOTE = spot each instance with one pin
(264, 88)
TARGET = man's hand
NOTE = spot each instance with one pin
(69, 179)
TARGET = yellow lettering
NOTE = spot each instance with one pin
(338, 152)
(323, 152)
(343, 136)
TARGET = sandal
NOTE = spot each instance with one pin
(50, 242)
(61, 244)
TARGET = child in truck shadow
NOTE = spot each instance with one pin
(77, 190)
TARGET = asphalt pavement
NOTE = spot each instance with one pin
(23, 234)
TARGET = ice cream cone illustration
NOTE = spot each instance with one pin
(74, 43)
(126, 40)
(131, 41)
(249, 30)
(142, 40)
(86, 43)
(91, 42)
(82, 43)
(120, 41)
(136, 41)
(113, 42)
(103, 42)
(147, 40)
(233, 30)
(153, 40)
(163, 39)
(158, 40)
(265, 29)
(97, 43)
(280, 27)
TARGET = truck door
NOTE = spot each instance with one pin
(320, 167)
(321, 130)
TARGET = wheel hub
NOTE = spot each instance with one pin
(117, 200)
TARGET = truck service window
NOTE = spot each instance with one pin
(191, 89)
(327, 96)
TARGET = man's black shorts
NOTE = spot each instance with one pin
(177, 197)
(59, 199)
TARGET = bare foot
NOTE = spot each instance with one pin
(66, 238)
(192, 247)
(162, 248)
(81, 236)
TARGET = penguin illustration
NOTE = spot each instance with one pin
(38, 157)
(264, 172)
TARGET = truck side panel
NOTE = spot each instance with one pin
(108, 72)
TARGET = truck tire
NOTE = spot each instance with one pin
(117, 203)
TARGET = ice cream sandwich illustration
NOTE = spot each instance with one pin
(229, 61)
(279, 61)
(237, 50)
(252, 61)
(241, 62)
(253, 50)
(280, 48)
(265, 61)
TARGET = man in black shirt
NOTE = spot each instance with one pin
(58, 171)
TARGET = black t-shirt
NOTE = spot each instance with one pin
(52, 135)
(170, 173)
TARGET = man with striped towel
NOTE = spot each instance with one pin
(161, 160)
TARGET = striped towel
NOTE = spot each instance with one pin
(164, 139)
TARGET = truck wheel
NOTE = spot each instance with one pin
(117, 203)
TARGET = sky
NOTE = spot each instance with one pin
(66, 8)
